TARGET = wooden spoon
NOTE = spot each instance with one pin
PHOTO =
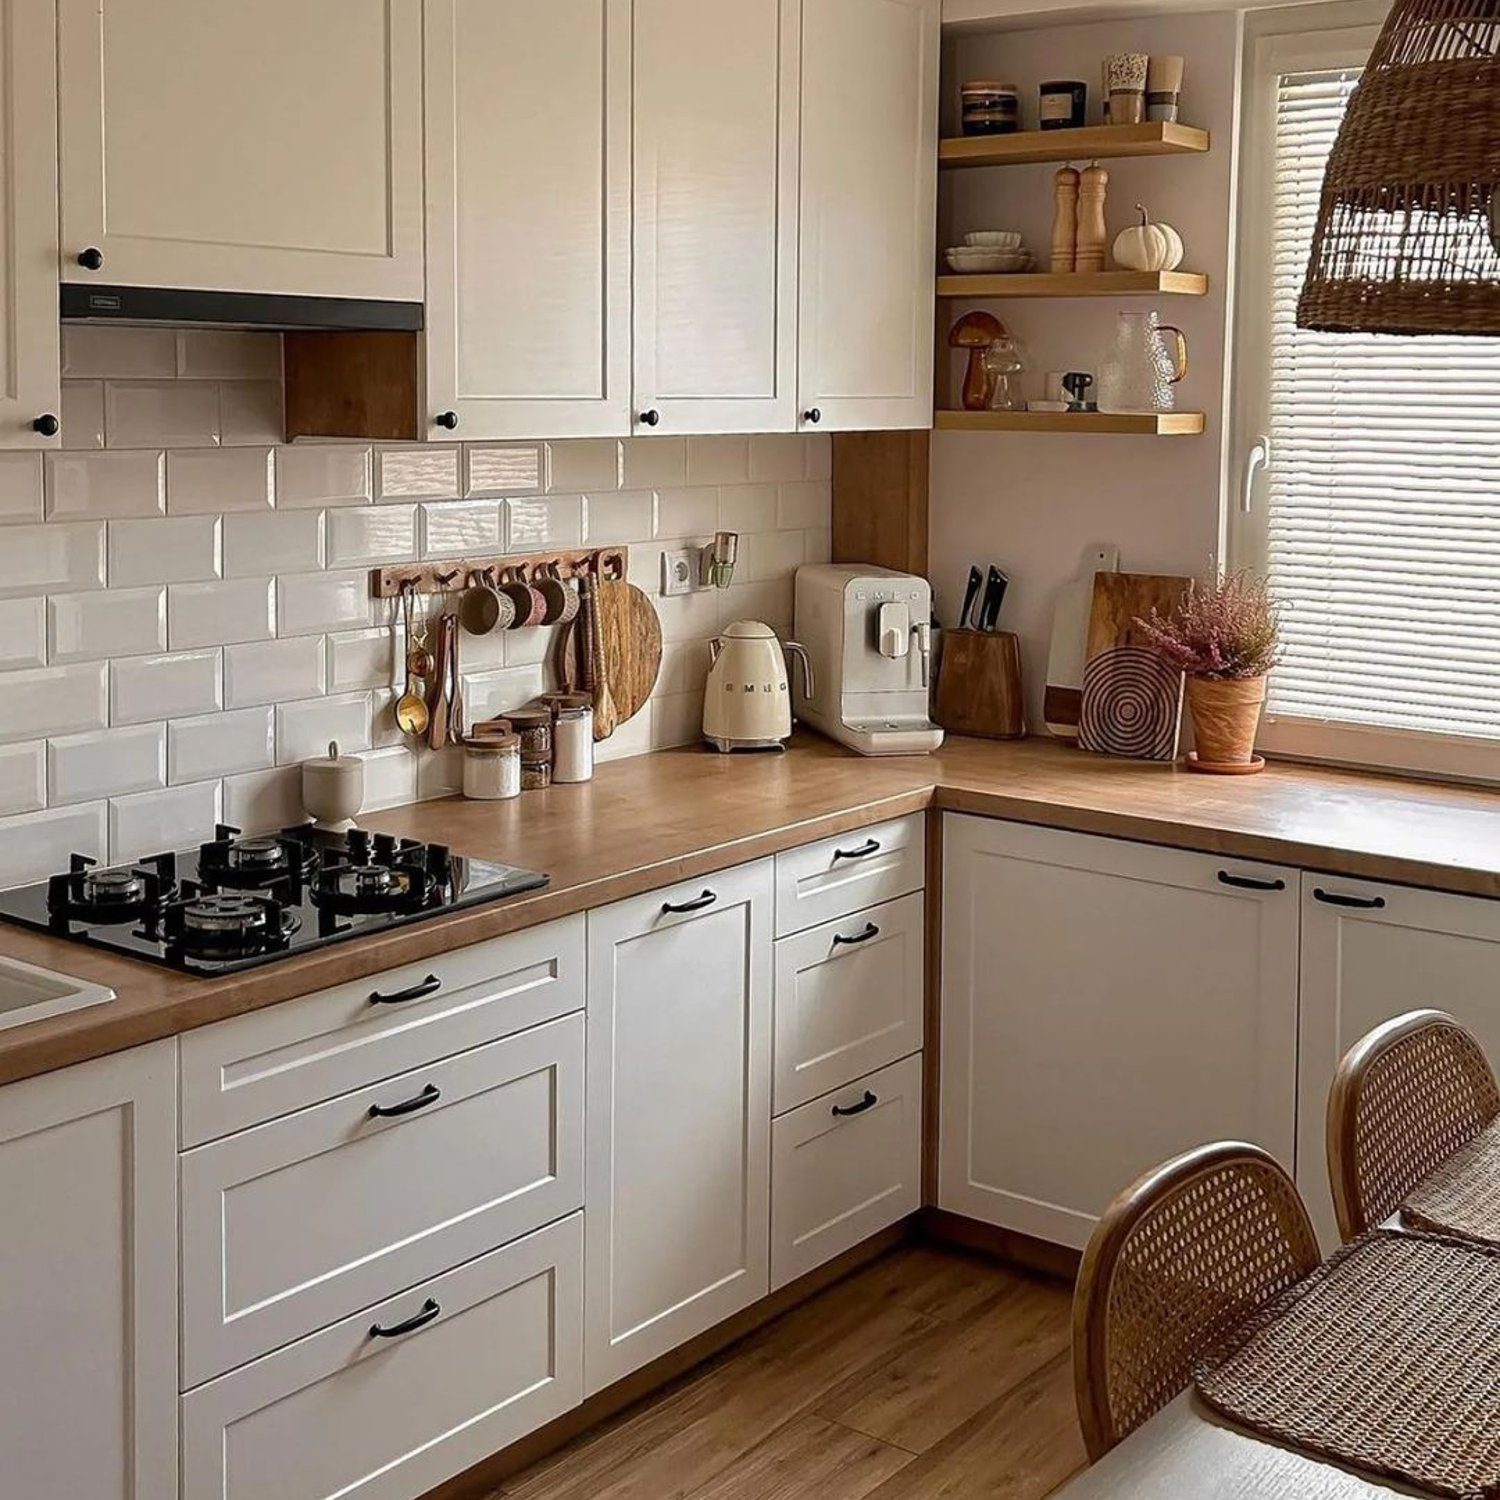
(605, 716)
(438, 708)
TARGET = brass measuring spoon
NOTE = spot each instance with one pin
(412, 716)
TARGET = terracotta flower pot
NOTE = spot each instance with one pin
(1226, 714)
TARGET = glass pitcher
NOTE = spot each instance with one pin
(1138, 370)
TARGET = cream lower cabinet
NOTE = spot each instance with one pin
(1370, 952)
(88, 1257)
(1104, 1006)
(677, 1116)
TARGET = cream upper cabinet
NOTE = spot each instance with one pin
(715, 170)
(528, 218)
(265, 147)
(869, 212)
(88, 1376)
(28, 226)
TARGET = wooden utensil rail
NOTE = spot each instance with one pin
(447, 575)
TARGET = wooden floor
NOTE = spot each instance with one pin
(926, 1376)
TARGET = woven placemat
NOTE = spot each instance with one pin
(1463, 1196)
(1386, 1358)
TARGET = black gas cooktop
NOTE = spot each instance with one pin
(238, 902)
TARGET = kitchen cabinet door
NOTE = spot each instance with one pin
(715, 169)
(869, 213)
(677, 1116)
(528, 218)
(29, 370)
(1105, 1005)
(1370, 952)
(273, 147)
(88, 1379)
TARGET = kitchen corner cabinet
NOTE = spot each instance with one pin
(88, 1381)
(1105, 1005)
(869, 210)
(677, 1116)
(274, 147)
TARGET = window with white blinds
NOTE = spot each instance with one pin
(1379, 508)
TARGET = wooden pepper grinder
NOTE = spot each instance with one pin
(1064, 218)
(1093, 182)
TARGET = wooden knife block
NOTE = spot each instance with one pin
(979, 685)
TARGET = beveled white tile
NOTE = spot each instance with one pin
(214, 745)
(523, 648)
(92, 352)
(488, 695)
(250, 411)
(427, 473)
(47, 701)
(182, 550)
(805, 504)
(112, 622)
(362, 659)
(106, 763)
(48, 558)
(767, 555)
(770, 602)
(23, 778)
(385, 732)
(150, 822)
(220, 614)
(20, 487)
(310, 476)
(146, 688)
(685, 513)
(630, 739)
(684, 668)
(160, 414)
(504, 468)
(263, 801)
(462, 528)
(315, 603)
(83, 414)
(378, 534)
(676, 719)
(276, 542)
(36, 845)
(818, 452)
(748, 507)
(653, 463)
(228, 354)
(718, 460)
(23, 632)
(440, 773)
(818, 541)
(690, 617)
(207, 481)
(103, 485)
(267, 672)
(777, 456)
(627, 516)
(390, 778)
(583, 464)
(553, 522)
(304, 730)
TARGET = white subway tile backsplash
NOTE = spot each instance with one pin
(262, 801)
(718, 460)
(20, 487)
(23, 778)
(747, 507)
(151, 822)
(221, 614)
(312, 475)
(250, 412)
(385, 732)
(690, 617)
(426, 473)
(106, 763)
(583, 464)
(462, 528)
(390, 778)
(272, 671)
(144, 688)
(103, 485)
(809, 503)
(819, 544)
(383, 534)
(83, 414)
(181, 550)
(39, 559)
(23, 633)
(315, 603)
(361, 659)
(276, 542)
(160, 414)
(440, 773)
(776, 457)
(208, 481)
(766, 555)
(54, 700)
(214, 745)
(553, 522)
(113, 622)
(770, 602)
(631, 738)
(627, 516)
(304, 730)
(488, 695)
(676, 719)
(94, 352)
(36, 845)
(684, 513)
(504, 468)
(227, 354)
(653, 463)
(819, 456)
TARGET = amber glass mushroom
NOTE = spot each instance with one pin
(976, 331)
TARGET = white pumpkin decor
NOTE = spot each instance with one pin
(1148, 246)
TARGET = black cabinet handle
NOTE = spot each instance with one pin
(91, 259)
(430, 1310)
(1359, 903)
(812, 415)
(429, 986)
(47, 425)
(1248, 883)
(697, 904)
(430, 1095)
(650, 418)
(870, 846)
(448, 419)
(871, 931)
(868, 1102)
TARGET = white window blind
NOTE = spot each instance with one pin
(1383, 494)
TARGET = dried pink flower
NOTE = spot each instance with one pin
(1227, 628)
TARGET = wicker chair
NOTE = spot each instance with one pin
(1179, 1260)
(1404, 1099)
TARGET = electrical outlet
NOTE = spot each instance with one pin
(681, 571)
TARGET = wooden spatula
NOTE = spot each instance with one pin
(605, 716)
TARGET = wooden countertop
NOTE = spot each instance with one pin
(650, 821)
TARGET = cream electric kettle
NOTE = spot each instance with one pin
(747, 703)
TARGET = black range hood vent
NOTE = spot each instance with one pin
(167, 305)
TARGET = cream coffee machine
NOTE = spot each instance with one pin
(868, 631)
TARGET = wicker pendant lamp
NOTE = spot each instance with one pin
(1408, 232)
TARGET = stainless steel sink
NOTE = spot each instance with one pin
(28, 993)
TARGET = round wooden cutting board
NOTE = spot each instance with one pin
(630, 631)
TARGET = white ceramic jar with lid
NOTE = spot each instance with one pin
(333, 788)
(492, 768)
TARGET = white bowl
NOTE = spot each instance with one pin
(993, 239)
(978, 262)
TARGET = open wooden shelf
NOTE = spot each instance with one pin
(1076, 284)
(1147, 424)
(1157, 138)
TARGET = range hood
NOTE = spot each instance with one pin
(177, 307)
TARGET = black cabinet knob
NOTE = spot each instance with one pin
(650, 418)
(448, 419)
(47, 425)
(91, 259)
(812, 415)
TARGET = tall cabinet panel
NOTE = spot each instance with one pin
(528, 218)
(869, 212)
(273, 147)
(715, 158)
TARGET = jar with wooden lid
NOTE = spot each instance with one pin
(573, 742)
(534, 725)
(492, 767)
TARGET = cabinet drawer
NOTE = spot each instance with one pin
(299, 1222)
(348, 1414)
(286, 1057)
(848, 999)
(820, 882)
(836, 1179)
